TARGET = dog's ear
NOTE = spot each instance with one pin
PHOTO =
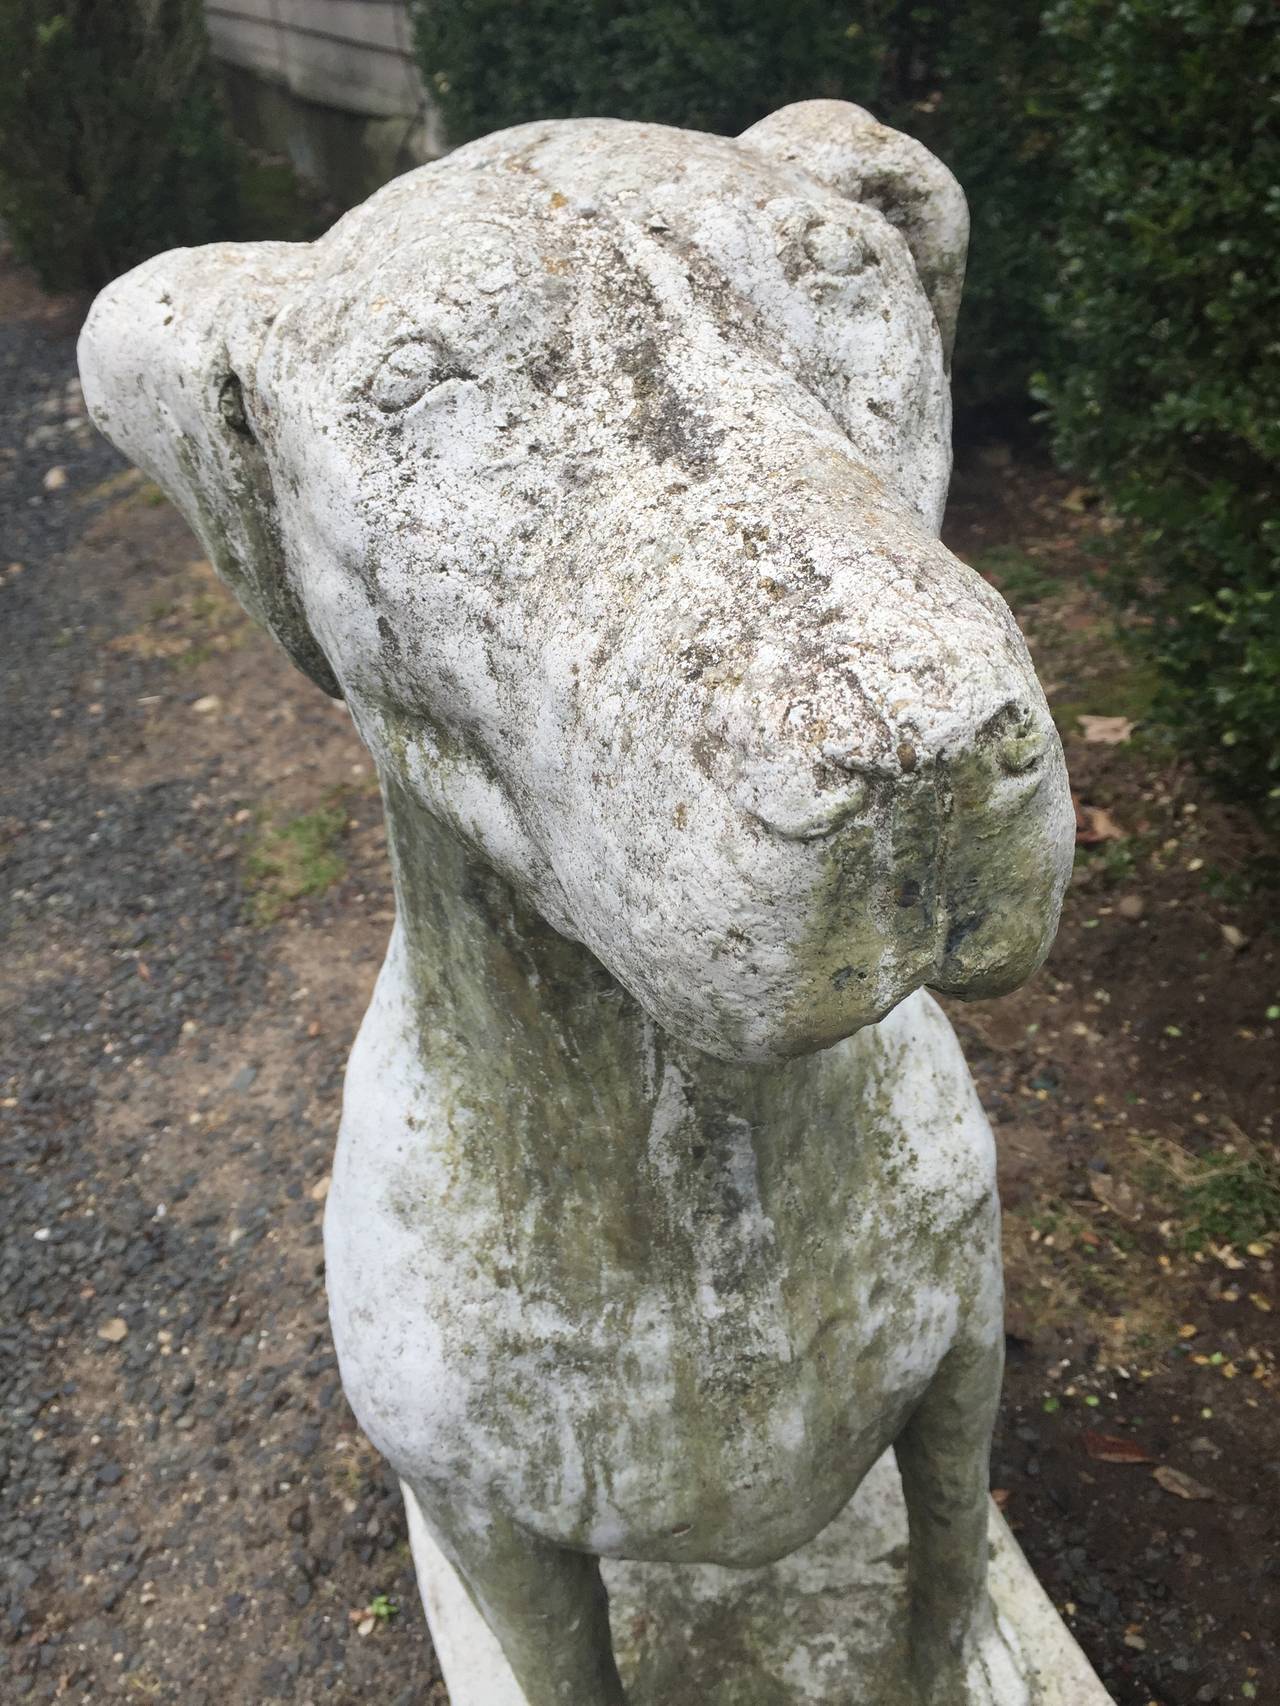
(845, 147)
(168, 360)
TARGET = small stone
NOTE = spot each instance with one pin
(203, 707)
(54, 480)
(1235, 939)
(1202, 1447)
(114, 1331)
(1131, 906)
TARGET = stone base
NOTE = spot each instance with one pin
(822, 1628)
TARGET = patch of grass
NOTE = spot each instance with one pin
(1229, 1196)
(1127, 690)
(1018, 577)
(293, 861)
(128, 483)
(277, 205)
(1259, 874)
(192, 657)
(1117, 862)
(188, 632)
(1234, 1199)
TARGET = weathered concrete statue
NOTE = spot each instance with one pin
(600, 467)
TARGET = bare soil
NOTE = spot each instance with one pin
(196, 903)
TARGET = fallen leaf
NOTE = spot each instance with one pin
(1174, 1481)
(1000, 1497)
(1106, 731)
(114, 1330)
(1094, 824)
(1111, 1448)
(1116, 1195)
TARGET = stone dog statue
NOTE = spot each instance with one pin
(600, 466)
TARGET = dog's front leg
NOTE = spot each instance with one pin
(546, 1607)
(959, 1654)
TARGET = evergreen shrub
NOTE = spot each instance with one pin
(1165, 385)
(112, 142)
(971, 80)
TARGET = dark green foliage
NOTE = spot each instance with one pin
(977, 82)
(112, 145)
(970, 80)
(704, 64)
(1166, 388)
(1232, 1199)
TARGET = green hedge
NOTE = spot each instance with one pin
(1122, 163)
(112, 144)
(1165, 388)
(962, 78)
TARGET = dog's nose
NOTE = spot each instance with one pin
(1010, 739)
(1014, 739)
(808, 790)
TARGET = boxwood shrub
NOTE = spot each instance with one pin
(112, 144)
(1165, 387)
(970, 80)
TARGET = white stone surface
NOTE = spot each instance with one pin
(824, 1627)
(571, 446)
(599, 467)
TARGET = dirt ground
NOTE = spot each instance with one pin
(196, 903)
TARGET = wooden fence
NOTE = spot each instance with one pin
(352, 55)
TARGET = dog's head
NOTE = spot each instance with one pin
(600, 467)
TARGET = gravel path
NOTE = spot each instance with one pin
(189, 1514)
(194, 904)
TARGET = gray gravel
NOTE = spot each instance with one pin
(187, 1511)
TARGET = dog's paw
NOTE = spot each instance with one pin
(989, 1670)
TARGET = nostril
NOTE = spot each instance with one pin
(1014, 738)
(1018, 754)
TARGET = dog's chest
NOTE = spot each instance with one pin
(625, 1317)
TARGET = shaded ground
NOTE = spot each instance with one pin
(196, 905)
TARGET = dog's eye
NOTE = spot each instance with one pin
(409, 372)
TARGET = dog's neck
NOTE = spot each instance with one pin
(478, 952)
(494, 984)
